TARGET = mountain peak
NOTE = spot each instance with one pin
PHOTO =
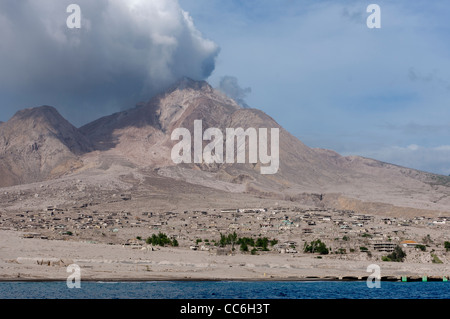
(45, 111)
(40, 124)
(188, 83)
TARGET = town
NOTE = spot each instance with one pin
(346, 234)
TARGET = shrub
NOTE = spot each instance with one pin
(159, 240)
(363, 249)
(447, 245)
(421, 247)
(397, 255)
(262, 242)
(316, 246)
(247, 240)
(436, 259)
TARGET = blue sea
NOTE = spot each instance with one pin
(225, 290)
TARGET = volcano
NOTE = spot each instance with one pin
(39, 144)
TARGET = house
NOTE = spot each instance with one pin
(229, 210)
(387, 247)
(409, 243)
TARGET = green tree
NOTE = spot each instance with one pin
(421, 247)
(247, 240)
(316, 246)
(159, 240)
(447, 245)
(232, 239)
(397, 255)
(262, 243)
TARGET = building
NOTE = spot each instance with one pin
(409, 243)
(387, 247)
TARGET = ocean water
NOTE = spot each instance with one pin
(225, 290)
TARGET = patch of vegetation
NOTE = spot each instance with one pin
(421, 247)
(366, 235)
(244, 247)
(316, 246)
(273, 242)
(261, 243)
(447, 245)
(436, 259)
(363, 249)
(161, 240)
(398, 255)
(246, 240)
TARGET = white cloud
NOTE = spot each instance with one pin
(444, 148)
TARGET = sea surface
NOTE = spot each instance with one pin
(225, 290)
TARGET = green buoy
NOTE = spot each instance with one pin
(424, 279)
(404, 279)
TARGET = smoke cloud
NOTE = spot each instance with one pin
(124, 52)
(229, 85)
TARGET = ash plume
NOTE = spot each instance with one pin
(124, 52)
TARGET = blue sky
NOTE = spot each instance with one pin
(313, 65)
(334, 83)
